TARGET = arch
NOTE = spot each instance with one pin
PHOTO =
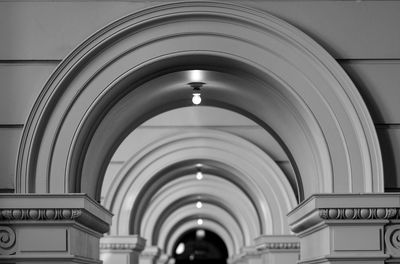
(213, 214)
(215, 192)
(167, 240)
(110, 81)
(249, 167)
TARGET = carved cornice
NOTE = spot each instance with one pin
(120, 246)
(151, 252)
(279, 245)
(323, 208)
(358, 213)
(34, 215)
(70, 209)
(38, 214)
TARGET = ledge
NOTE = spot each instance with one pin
(36, 208)
(344, 207)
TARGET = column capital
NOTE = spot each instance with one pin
(276, 249)
(149, 255)
(163, 259)
(331, 208)
(151, 251)
(131, 243)
(61, 228)
(346, 228)
(277, 243)
(19, 209)
(247, 255)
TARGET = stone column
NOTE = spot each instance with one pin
(251, 255)
(149, 255)
(347, 228)
(248, 255)
(238, 259)
(278, 249)
(121, 249)
(51, 228)
(163, 259)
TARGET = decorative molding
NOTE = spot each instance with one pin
(358, 213)
(38, 214)
(392, 240)
(279, 245)
(7, 240)
(151, 252)
(119, 246)
(338, 102)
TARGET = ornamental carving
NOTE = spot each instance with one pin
(115, 246)
(280, 245)
(392, 240)
(39, 214)
(358, 213)
(7, 240)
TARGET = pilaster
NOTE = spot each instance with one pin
(248, 255)
(276, 249)
(347, 228)
(51, 228)
(121, 249)
(163, 259)
(149, 255)
(251, 255)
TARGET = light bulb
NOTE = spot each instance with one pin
(196, 76)
(196, 98)
(200, 221)
(199, 175)
(199, 204)
(180, 249)
(200, 234)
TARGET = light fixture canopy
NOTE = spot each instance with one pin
(199, 175)
(196, 99)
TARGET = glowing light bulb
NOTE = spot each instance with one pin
(199, 204)
(200, 221)
(199, 175)
(196, 76)
(180, 249)
(196, 99)
(200, 234)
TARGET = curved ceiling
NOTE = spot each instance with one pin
(171, 147)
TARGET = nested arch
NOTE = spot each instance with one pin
(167, 240)
(214, 193)
(105, 82)
(251, 171)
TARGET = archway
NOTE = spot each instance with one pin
(200, 246)
(253, 64)
(132, 70)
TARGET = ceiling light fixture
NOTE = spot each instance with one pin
(199, 204)
(200, 221)
(196, 99)
(199, 175)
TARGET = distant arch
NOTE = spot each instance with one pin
(252, 169)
